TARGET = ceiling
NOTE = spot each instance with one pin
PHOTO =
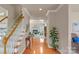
(34, 9)
(74, 7)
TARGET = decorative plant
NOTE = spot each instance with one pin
(54, 37)
(31, 34)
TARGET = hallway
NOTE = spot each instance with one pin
(39, 47)
(38, 20)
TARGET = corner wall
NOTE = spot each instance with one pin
(62, 25)
(60, 20)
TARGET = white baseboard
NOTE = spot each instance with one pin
(57, 49)
(50, 46)
(60, 51)
(63, 51)
(23, 50)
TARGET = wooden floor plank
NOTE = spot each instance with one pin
(38, 47)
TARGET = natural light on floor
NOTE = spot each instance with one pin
(34, 52)
(41, 49)
(41, 40)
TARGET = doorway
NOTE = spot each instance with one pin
(38, 28)
(39, 45)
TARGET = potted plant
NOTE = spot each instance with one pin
(54, 37)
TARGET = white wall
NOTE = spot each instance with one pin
(51, 19)
(60, 20)
(50, 24)
(27, 18)
(13, 11)
(62, 25)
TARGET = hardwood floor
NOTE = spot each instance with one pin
(39, 47)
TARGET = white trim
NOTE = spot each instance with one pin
(57, 9)
(50, 11)
(28, 13)
(63, 51)
(57, 49)
(69, 31)
(49, 46)
(25, 10)
(60, 51)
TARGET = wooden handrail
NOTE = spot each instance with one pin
(3, 18)
(6, 38)
(14, 27)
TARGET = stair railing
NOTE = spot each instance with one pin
(3, 18)
(6, 38)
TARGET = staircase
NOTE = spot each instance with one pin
(13, 42)
(16, 43)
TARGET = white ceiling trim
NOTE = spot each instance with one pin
(50, 11)
(57, 9)
(25, 10)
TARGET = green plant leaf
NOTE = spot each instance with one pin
(54, 37)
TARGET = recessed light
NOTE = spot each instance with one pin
(40, 9)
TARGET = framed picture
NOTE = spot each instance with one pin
(75, 27)
(35, 31)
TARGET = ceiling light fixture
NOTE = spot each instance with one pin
(40, 9)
